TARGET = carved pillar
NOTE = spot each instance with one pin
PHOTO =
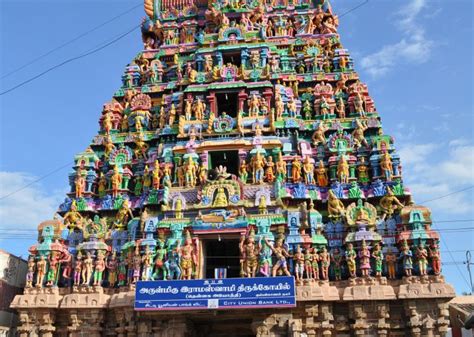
(357, 313)
(383, 315)
(268, 94)
(120, 318)
(46, 323)
(211, 99)
(25, 326)
(415, 322)
(131, 327)
(242, 98)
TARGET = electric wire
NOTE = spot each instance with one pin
(354, 8)
(93, 51)
(78, 37)
(447, 195)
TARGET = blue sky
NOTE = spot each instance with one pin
(415, 55)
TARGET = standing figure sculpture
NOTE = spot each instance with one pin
(281, 254)
(386, 165)
(351, 260)
(31, 267)
(435, 258)
(364, 256)
(87, 267)
(296, 170)
(299, 263)
(188, 258)
(377, 254)
(325, 259)
(112, 266)
(41, 269)
(391, 260)
(422, 257)
(389, 203)
(407, 258)
(250, 253)
(343, 170)
(336, 258)
(99, 268)
(308, 169)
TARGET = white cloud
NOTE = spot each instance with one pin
(433, 170)
(27, 208)
(413, 47)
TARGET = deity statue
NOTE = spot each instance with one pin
(87, 267)
(281, 168)
(77, 269)
(422, 257)
(112, 266)
(359, 103)
(147, 179)
(391, 260)
(190, 173)
(322, 175)
(123, 215)
(220, 200)
(136, 265)
(270, 170)
(243, 173)
(162, 118)
(188, 258)
(389, 204)
(308, 169)
(325, 259)
(254, 106)
(31, 267)
(116, 182)
(102, 185)
(435, 256)
(203, 174)
(172, 115)
(341, 108)
(319, 135)
(279, 105)
(188, 109)
(299, 263)
(324, 108)
(140, 146)
(147, 263)
(363, 172)
(407, 258)
(99, 268)
(41, 269)
(336, 259)
(351, 259)
(159, 262)
(315, 264)
(343, 170)
(107, 123)
(166, 181)
(156, 176)
(54, 263)
(210, 122)
(250, 251)
(281, 254)
(335, 206)
(291, 107)
(377, 254)
(72, 219)
(80, 184)
(296, 170)
(307, 110)
(358, 134)
(386, 165)
(308, 263)
(199, 108)
(258, 164)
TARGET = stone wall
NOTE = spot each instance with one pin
(415, 306)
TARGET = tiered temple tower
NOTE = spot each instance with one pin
(242, 143)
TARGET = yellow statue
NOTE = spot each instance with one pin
(258, 164)
(319, 135)
(210, 122)
(122, 216)
(188, 109)
(221, 198)
(156, 176)
(389, 203)
(190, 173)
(178, 209)
(108, 146)
(281, 167)
(343, 170)
(73, 218)
(386, 165)
(198, 109)
(308, 169)
(322, 175)
(358, 134)
(116, 182)
(146, 179)
(262, 205)
(296, 170)
(335, 206)
(172, 115)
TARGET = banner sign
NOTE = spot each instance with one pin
(231, 293)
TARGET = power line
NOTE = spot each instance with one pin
(354, 8)
(449, 194)
(93, 51)
(35, 181)
(70, 41)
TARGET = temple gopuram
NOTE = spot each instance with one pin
(240, 184)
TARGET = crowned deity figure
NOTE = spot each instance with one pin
(389, 204)
(31, 267)
(220, 200)
(308, 169)
(243, 172)
(73, 219)
(322, 175)
(343, 170)
(87, 269)
(358, 134)
(250, 251)
(123, 215)
(188, 258)
(258, 171)
(406, 256)
(335, 206)
(422, 257)
(386, 165)
(391, 261)
(351, 259)
(336, 259)
(435, 256)
(281, 255)
(319, 136)
(281, 170)
(270, 170)
(377, 254)
(41, 269)
(296, 170)
(299, 263)
(80, 184)
(112, 266)
(99, 268)
(325, 259)
(116, 181)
